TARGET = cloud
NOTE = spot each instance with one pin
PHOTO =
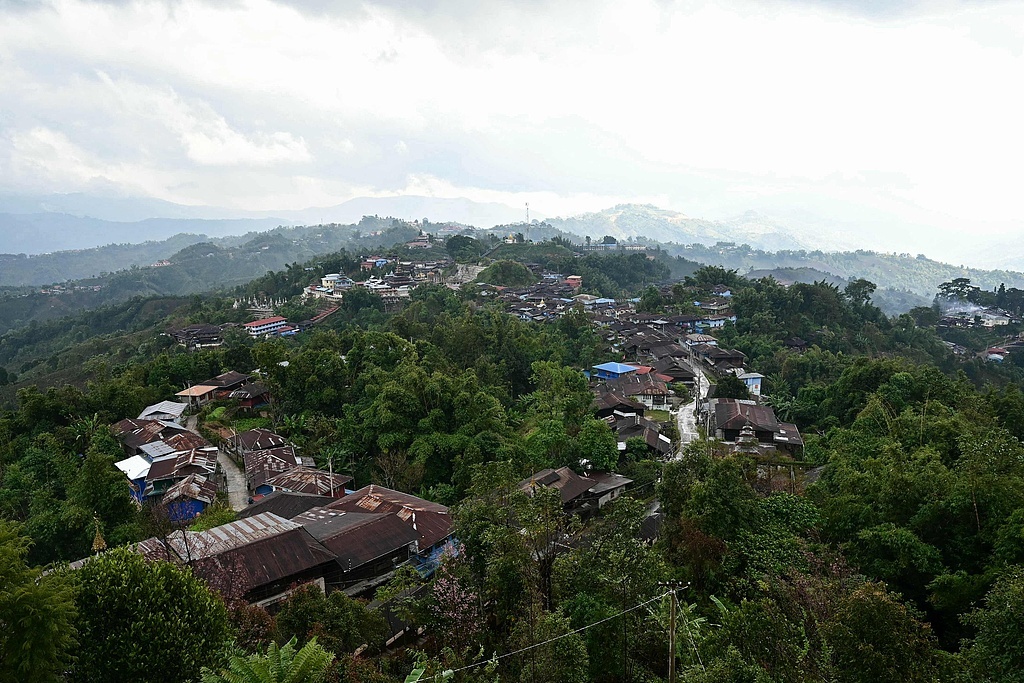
(910, 112)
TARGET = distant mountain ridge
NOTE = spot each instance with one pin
(647, 222)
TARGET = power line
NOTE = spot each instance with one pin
(450, 672)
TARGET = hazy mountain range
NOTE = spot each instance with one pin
(48, 223)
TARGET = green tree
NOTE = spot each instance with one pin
(141, 620)
(997, 652)
(340, 623)
(651, 301)
(37, 613)
(731, 386)
(279, 665)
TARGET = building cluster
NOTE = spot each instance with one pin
(351, 542)
(977, 317)
(658, 352)
(302, 525)
(169, 465)
(393, 286)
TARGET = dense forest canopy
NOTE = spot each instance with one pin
(897, 557)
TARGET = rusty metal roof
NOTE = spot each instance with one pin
(185, 441)
(192, 487)
(258, 551)
(285, 504)
(430, 520)
(357, 537)
(196, 461)
(569, 484)
(310, 480)
(734, 414)
(258, 440)
(264, 464)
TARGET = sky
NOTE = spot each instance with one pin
(902, 120)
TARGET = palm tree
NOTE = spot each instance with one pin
(278, 665)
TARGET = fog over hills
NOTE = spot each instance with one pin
(49, 223)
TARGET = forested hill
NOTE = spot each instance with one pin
(19, 270)
(915, 274)
(198, 267)
(890, 549)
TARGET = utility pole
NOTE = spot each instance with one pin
(673, 586)
(672, 638)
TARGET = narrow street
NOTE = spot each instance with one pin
(686, 415)
(237, 488)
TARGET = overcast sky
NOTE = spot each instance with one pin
(852, 110)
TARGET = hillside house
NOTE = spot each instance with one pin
(189, 497)
(432, 522)
(612, 370)
(728, 417)
(307, 480)
(169, 411)
(753, 382)
(259, 558)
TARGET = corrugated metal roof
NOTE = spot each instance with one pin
(358, 538)
(285, 504)
(310, 480)
(192, 487)
(430, 520)
(134, 467)
(258, 440)
(163, 408)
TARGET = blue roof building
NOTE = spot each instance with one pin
(612, 370)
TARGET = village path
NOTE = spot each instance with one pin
(686, 416)
(238, 489)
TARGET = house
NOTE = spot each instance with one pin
(251, 395)
(431, 521)
(259, 558)
(569, 485)
(725, 359)
(256, 440)
(364, 544)
(197, 396)
(684, 322)
(267, 463)
(607, 487)
(795, 344)
(647, 389)
(676, 370)
(169, 470)
(593, 491)
(198, 336)
(698, 339)
(729, 417)
(171, 411)
(611, 404)
(227, 382)
(189, 497)
(612, 370)
(753, 381)
(308, 480)
(286, 504)
(713, 305)
(136, 468)
(258, 328)
(134, 434)
(639, 427)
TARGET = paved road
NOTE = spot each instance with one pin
(238, 490)
(685, 416)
